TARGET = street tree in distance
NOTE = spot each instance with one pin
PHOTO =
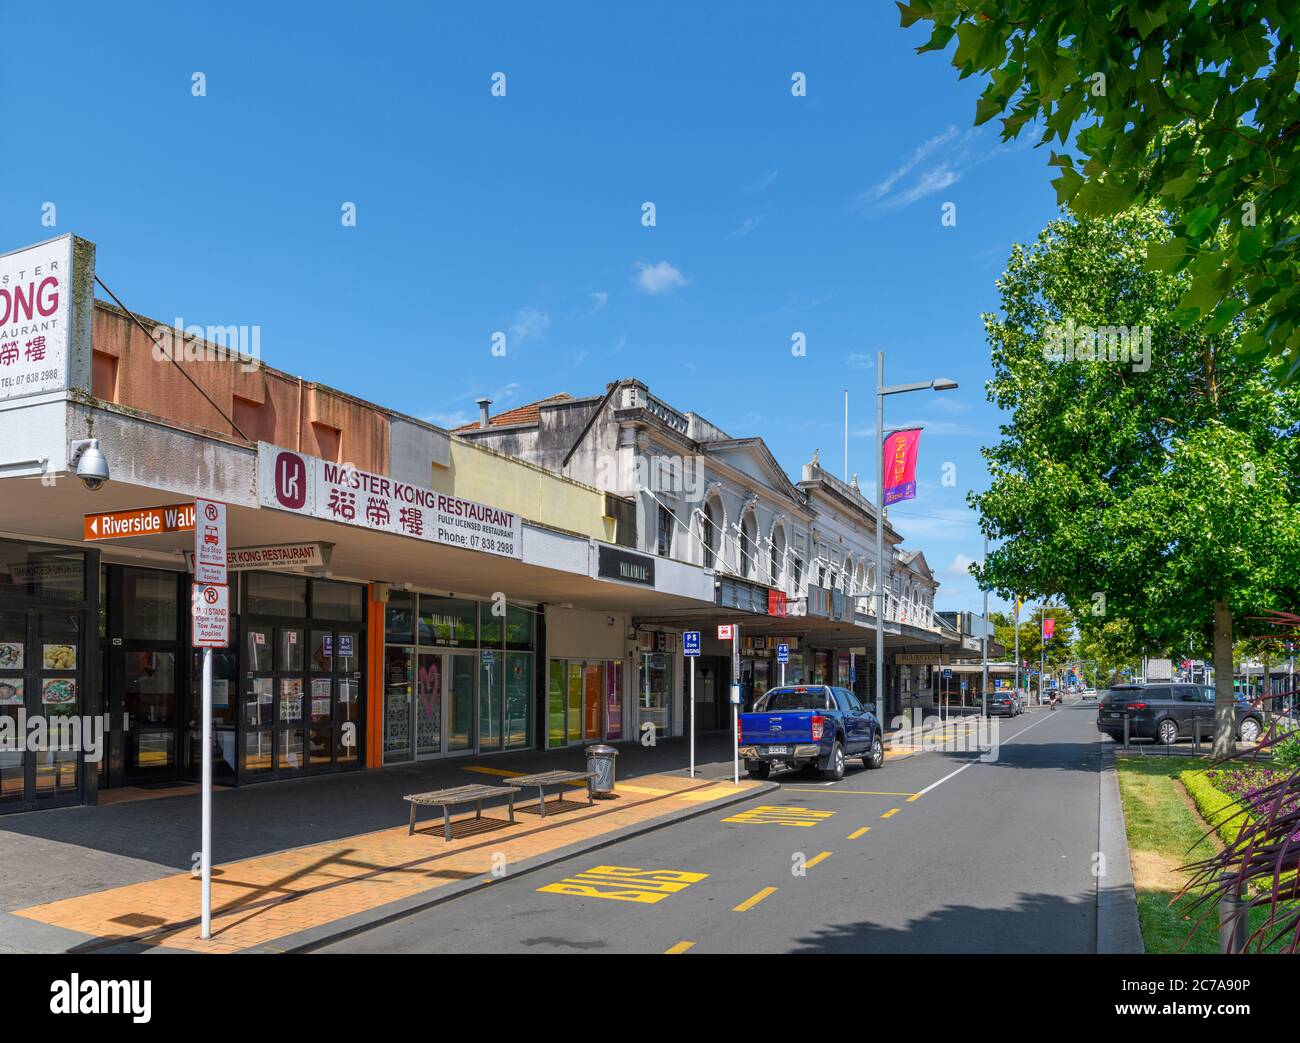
(1159, 484)
(1191, 106)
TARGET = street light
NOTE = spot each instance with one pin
(941, 384)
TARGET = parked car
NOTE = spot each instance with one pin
(1004, 704)
(1168, 712)
(805, 725)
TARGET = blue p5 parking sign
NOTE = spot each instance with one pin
(691, 642)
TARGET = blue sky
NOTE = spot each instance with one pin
(774, 213)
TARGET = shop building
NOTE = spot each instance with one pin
(397, 593)
(794, 563)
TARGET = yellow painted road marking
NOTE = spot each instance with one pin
(641, 789)
(753, 900)
(680, 947)
(493, 771)
(914, 796)
(859, 832)
(855, 792)
(891, 811)
(817, 858)
(625, 884)
(775, 815)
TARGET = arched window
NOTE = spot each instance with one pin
(709, 536)
(776, 556)
(747, 545)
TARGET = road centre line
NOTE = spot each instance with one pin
(753, 900)
(972, 763)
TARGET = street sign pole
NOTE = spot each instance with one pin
(205, 864)
(735, 705)
(693, 717)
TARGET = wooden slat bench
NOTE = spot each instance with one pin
(551, 778)
(449, 798)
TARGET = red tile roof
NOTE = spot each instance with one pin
(519, 415)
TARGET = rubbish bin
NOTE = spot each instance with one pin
(600, 761)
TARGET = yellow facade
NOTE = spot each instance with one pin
(480, 474)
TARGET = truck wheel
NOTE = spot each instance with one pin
(759, 770)
(835, 770)
(876, 755)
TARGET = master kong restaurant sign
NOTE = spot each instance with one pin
(291, 481)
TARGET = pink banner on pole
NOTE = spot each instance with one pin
(1049, 628)
(900, 465)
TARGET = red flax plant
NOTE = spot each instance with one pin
(1261, 865)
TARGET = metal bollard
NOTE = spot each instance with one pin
(1232, 923)
(1126, 731)
(1196, 735)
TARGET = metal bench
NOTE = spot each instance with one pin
(551, 778)
(449, 798)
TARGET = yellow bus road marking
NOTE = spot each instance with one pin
(775, 815)
(891, 811)
(641, 789)
(914, 796)
(817, 858)
(753, 900)
(493, 771)
(854, 792)
(859, 832)
(680, 947)
(625, 884)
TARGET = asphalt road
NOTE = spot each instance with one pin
(991, 857)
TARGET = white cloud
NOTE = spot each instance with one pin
(459, 418)
(529, 323)
(746, 226)
(920, 175)
(960, 564)
(598, 299)
(658, 278)
(860, 360)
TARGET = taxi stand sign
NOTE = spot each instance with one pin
(210, 611)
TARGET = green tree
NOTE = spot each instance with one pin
(1164, 494)
(1192, 105)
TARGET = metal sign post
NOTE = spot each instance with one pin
(691, 649)
(210, 612)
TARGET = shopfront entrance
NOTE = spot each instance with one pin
(457, 677)
(45, 650)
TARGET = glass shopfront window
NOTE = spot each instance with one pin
(45, 640)
(303, 686)
(472, 681)
(584, 701)
(655, 692)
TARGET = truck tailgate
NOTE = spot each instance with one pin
(789, 726)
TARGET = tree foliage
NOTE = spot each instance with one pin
(1189, 104)
(1155, 493)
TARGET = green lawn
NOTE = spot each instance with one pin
(1163, 834)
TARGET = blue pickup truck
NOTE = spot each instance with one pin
(805, 725)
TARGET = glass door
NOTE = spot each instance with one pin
(459, 702)
(428, 705)
(150, 699)
(399, 677)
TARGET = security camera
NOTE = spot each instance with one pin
(91, 466)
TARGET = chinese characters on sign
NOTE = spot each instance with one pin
(35, 306)
(291, 481)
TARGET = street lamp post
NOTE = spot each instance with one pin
(940, 384)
